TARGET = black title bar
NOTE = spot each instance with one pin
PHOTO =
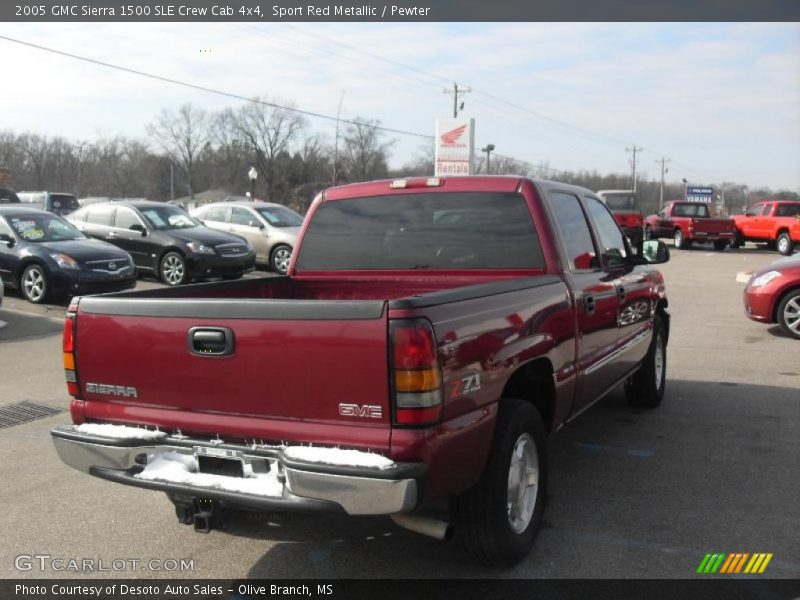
(396, 10)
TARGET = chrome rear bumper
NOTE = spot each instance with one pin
(289, 484)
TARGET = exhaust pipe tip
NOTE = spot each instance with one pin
(428, 526)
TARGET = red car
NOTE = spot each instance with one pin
(687, 222)
(773, 295)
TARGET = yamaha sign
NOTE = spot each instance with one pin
(700, 194)
(455, 146)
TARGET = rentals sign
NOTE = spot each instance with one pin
(455, 146)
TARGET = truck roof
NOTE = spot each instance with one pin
(467, 183)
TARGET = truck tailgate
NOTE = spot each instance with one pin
(291, 361)
(713, 225)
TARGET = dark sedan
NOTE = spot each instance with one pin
(773, 295)
(45, 256)
(164, 240)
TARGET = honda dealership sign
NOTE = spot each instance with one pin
(455, 146)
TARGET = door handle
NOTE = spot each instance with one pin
(621, 293)
(111, 235)
(589, 304)
(211, 341)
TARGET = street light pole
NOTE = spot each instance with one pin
(253, 175)
(488, 149)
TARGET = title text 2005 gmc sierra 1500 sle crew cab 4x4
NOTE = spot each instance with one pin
(429, 335)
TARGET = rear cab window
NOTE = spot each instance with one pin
(63, 202)
(442, 230)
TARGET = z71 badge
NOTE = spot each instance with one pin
(466, 385)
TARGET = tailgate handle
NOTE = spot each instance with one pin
(211, 341)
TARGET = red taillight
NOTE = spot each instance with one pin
(417, 380)
(68, 351)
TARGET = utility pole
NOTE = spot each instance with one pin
(336, 142)
(488, 149)
(634, 150)
(456, 93)
(664, 170)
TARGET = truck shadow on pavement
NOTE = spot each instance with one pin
(632, 493)
(15, 327)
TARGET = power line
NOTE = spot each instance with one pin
(214, 90)
(553, 121)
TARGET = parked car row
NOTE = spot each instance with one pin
(166, 241)
(44, 256)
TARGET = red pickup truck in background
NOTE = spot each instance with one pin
(771, 221)
(687, 222)
(430, 333)
(624, 204)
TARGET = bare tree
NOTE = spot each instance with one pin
(231, 151)
(270, 132)
(35, 151)
(364, 153)
(182, 135)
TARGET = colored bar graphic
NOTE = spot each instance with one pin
(734, 563)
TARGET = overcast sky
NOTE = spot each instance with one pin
(721, 100)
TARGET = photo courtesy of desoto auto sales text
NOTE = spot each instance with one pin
(423, 299)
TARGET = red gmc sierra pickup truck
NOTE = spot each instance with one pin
(428, 336)
(687, 222)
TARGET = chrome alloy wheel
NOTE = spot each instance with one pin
(791, 314)
(173, 269)
(523, 483)
(34, 284)
(281, 258)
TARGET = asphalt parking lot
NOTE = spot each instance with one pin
(633, 493)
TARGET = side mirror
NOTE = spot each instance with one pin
(8, 240)
(655, 252)
(138, 227)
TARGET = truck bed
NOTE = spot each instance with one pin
(301, 349)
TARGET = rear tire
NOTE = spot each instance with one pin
(789, 314)
(720, 245)
(646, 386)
(497, 520)
(680, 240)
(738, 240)
(785, 244)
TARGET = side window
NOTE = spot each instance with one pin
(125, 217)
(757, 210)
(787, 210)
(242, 216)
(612, 242)
(100, 215)
(573, 230)
(5, 229)
(216, 213)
